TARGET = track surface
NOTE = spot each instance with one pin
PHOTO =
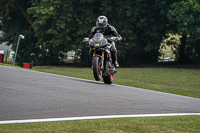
(26, 94)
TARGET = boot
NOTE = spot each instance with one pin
(116, 64)
(115, 58)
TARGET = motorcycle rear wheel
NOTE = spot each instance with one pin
(108, 79)
(97, 72)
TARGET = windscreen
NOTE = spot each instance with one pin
(98, 37)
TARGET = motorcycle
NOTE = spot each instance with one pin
(102, 59)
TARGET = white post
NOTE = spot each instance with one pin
(22, 37)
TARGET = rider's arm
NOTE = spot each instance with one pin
(92, 33)
(115, 33)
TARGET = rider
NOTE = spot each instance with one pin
(107, 30)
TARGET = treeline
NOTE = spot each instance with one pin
(53, 27)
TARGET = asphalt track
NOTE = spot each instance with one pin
(26, 94)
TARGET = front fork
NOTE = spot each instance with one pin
(101, 59)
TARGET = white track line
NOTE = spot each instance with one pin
(93, 117)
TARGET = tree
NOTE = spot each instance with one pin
(55, 27)
(16, 21)
(61, 24)
(142, 25)
(185, 16)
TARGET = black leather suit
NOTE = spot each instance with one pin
(108, 31)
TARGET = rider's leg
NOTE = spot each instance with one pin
(114, 53)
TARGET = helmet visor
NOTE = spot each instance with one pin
(101, 23)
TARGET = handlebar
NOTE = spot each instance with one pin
(112, 38)
(86, 40)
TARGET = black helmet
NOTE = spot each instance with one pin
(102, 22)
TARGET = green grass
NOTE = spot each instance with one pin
(9, 65)
(172, 80)
(175, 124)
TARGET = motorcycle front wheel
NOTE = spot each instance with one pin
(97, 72)
(108, 79)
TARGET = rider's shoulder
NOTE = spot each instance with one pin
(112, 28)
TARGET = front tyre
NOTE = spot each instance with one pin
(97, 72)
(108, 79)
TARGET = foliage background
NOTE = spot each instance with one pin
(52, 28)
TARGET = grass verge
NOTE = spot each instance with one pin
(174, 124)
(9, 65)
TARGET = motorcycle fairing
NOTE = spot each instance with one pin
(98, 41)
